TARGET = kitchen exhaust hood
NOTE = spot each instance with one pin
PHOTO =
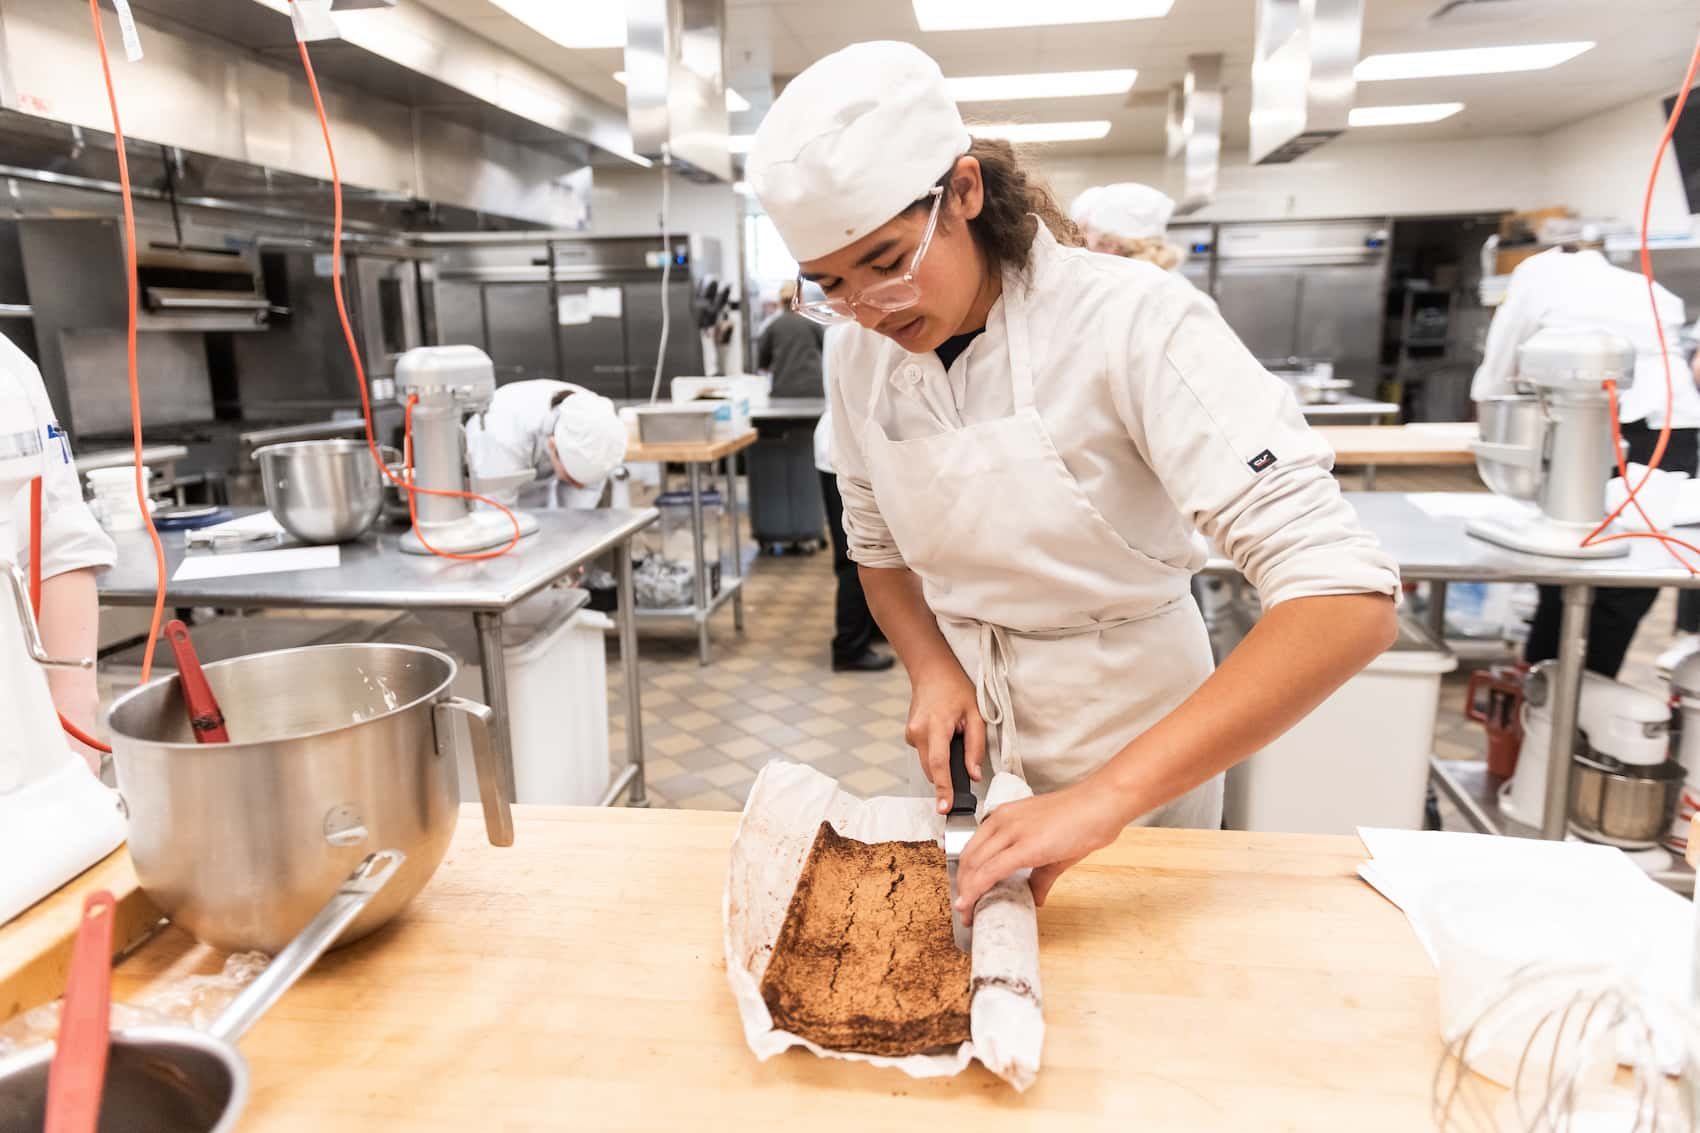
(1195, 131)
(1301, 76)
(676, 84)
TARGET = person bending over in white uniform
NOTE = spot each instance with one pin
(1033, 443)
(1130, 219)
(73, 547)
(554, 428)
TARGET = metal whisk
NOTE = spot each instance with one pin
(1590, 1051)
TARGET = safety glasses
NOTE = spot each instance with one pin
(886, 296)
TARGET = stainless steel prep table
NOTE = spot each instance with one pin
(1437, 549)
(375, 574)
(790, 409)
(1350, 407)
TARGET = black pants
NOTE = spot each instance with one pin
(853, 622)
(1617, 611)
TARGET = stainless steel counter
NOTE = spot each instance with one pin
(790, 409)
(152, 455)
(375, 574)
(1438, 549)
(1350, 407)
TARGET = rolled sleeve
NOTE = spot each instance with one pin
(1235, 456)
(71, 539)
(866, 535)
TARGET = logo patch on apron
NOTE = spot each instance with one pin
(1262, 462)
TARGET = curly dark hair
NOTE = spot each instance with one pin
(1013, 196)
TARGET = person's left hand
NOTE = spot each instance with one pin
(1046, 833)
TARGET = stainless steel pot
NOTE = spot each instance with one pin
(322, 491)
(1622, 806)
(336, 751)
(1508, 455)
(175, 1079)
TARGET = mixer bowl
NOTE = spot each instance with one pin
(1518, 423)
(1623, 805)
(336, 751)
(326, 491)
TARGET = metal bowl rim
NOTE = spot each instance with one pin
(216, 749)
(179, 1033)
(339, 445)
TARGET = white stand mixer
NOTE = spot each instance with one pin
(1564, 466)
(451, 383)
(56, 819)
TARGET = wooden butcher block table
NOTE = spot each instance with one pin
(1193, 981)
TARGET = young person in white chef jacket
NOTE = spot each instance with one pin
(73, 547)
(1030, 441)
(1128, 219)
(563, 432)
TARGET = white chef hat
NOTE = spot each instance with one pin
(590, 438)
(1081, 210)
(1131, 210)
(854, 140)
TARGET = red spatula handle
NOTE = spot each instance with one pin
(79, 1062)
(204, 715)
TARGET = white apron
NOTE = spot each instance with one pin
(1076, 641)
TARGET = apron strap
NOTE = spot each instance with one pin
(991, 696)
(1015, 334)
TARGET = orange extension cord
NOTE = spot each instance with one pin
(360, 370)
(1668, 541)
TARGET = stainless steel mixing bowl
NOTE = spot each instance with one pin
(1508, 454)
(1623, 805)
(322, 491)
(336, 751)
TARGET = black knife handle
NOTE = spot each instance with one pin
(961, 787)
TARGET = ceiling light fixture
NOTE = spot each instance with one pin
(1042, 131)
(1056, 84)
(579, 26)
(965, 15)
(735, 102)
(1468, 61)
(1413, 115)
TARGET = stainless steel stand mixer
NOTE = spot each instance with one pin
(451, 383)
(1553, 446)
(56, 819)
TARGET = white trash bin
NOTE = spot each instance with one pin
(1361, 759)
(557, 676)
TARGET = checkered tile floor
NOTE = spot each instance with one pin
(769, 694)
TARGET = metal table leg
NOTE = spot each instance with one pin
(1437, 610)
(701, 582)
(627, 622)
(737, 542)
(492, 664)
(1566, 698)
(1369, 477)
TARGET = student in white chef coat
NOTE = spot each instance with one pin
(1576, 288)
(560, 430)
(1129, 219)
(73, 547)
(1030, 441)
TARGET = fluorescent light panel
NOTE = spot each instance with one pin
(735, 102)
(1055, 84)
(1468, 61)
(580, 26)
(965, 15)
(1042, 131)
(1413, 115)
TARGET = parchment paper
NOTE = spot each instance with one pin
(785, 809)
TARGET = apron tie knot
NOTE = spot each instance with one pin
(991, 695)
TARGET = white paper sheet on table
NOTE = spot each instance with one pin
(1539, 902)
(1465, 505)
(234, 564)
(786, 806)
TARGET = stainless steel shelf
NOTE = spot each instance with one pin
(728, 588)
(1467, 786)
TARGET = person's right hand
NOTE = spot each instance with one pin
(940, 706)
